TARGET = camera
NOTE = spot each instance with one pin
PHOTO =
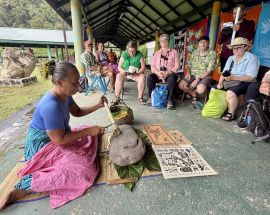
(226, 73)
(163, 68)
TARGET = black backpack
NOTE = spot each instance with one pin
(83, 84)
(256, 115)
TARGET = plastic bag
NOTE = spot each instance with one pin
(216, 105)
(159, 96)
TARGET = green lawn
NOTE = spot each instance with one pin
(13, 99)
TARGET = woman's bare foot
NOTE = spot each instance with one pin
(13, 196)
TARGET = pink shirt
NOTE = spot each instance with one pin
(171, 61)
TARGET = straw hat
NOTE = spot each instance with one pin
(239, 41)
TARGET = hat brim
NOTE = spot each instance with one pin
(231, 46)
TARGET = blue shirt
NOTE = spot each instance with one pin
(248, 66)
(52, 113)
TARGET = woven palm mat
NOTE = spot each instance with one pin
(108, 175)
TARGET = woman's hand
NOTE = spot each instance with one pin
(101, 101)
(95, 130)
(236, 27)
(230, 78)
(194, 83)
(220, 85)
(265, 88)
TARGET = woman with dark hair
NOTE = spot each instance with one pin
(59, 160)
(131, 66)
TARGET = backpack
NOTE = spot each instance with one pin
(83, 84)
(256, 115)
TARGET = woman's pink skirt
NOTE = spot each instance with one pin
(66, 172)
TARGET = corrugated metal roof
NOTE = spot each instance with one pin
(33, 37)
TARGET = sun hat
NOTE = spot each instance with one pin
(239, 41)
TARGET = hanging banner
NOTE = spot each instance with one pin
(179, 46)
(193, 34)
(261, 45)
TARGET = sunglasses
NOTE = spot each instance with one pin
(238, 47)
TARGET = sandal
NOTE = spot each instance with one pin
(142, 101)
(228, 117)
(149, 102)
(194, 100)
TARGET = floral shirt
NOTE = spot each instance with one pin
(88, 59)
(199, 64)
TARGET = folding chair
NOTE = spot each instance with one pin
(97, 79)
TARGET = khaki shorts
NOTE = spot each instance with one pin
(206, 81)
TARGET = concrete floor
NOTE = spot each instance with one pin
(241, 187)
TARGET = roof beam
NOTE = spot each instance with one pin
(173, 9)
(191, 3)
(61, 3)
(123, 31)
(102, 27)
(191, 13)
(87, 3)
(156, 11)
(140, 20)
(92, 18)
(134, 23)
(97, 22)
(126, 27)
(53, 4)
(144, 14)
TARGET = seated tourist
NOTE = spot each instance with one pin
(90, 63)
(61, 160)
(240, 71)
(199, 69)
(165, 64)
(113, 61)
(132, 66)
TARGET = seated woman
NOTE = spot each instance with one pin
(113, 61)
(131, 65)
(60, 160)
(240, 70)
(90, 62)
(164, 66)
(199, 69)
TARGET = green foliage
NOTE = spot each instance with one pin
(28, 14)
(143, 50)
(135, 170)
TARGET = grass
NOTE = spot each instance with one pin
(13, 99)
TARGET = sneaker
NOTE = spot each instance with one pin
(170, 105)
(242, 125)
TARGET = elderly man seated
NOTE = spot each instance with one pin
(240, 70)
(199, 69)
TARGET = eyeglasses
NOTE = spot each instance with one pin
(238, 47)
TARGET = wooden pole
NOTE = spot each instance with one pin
(65, 39)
